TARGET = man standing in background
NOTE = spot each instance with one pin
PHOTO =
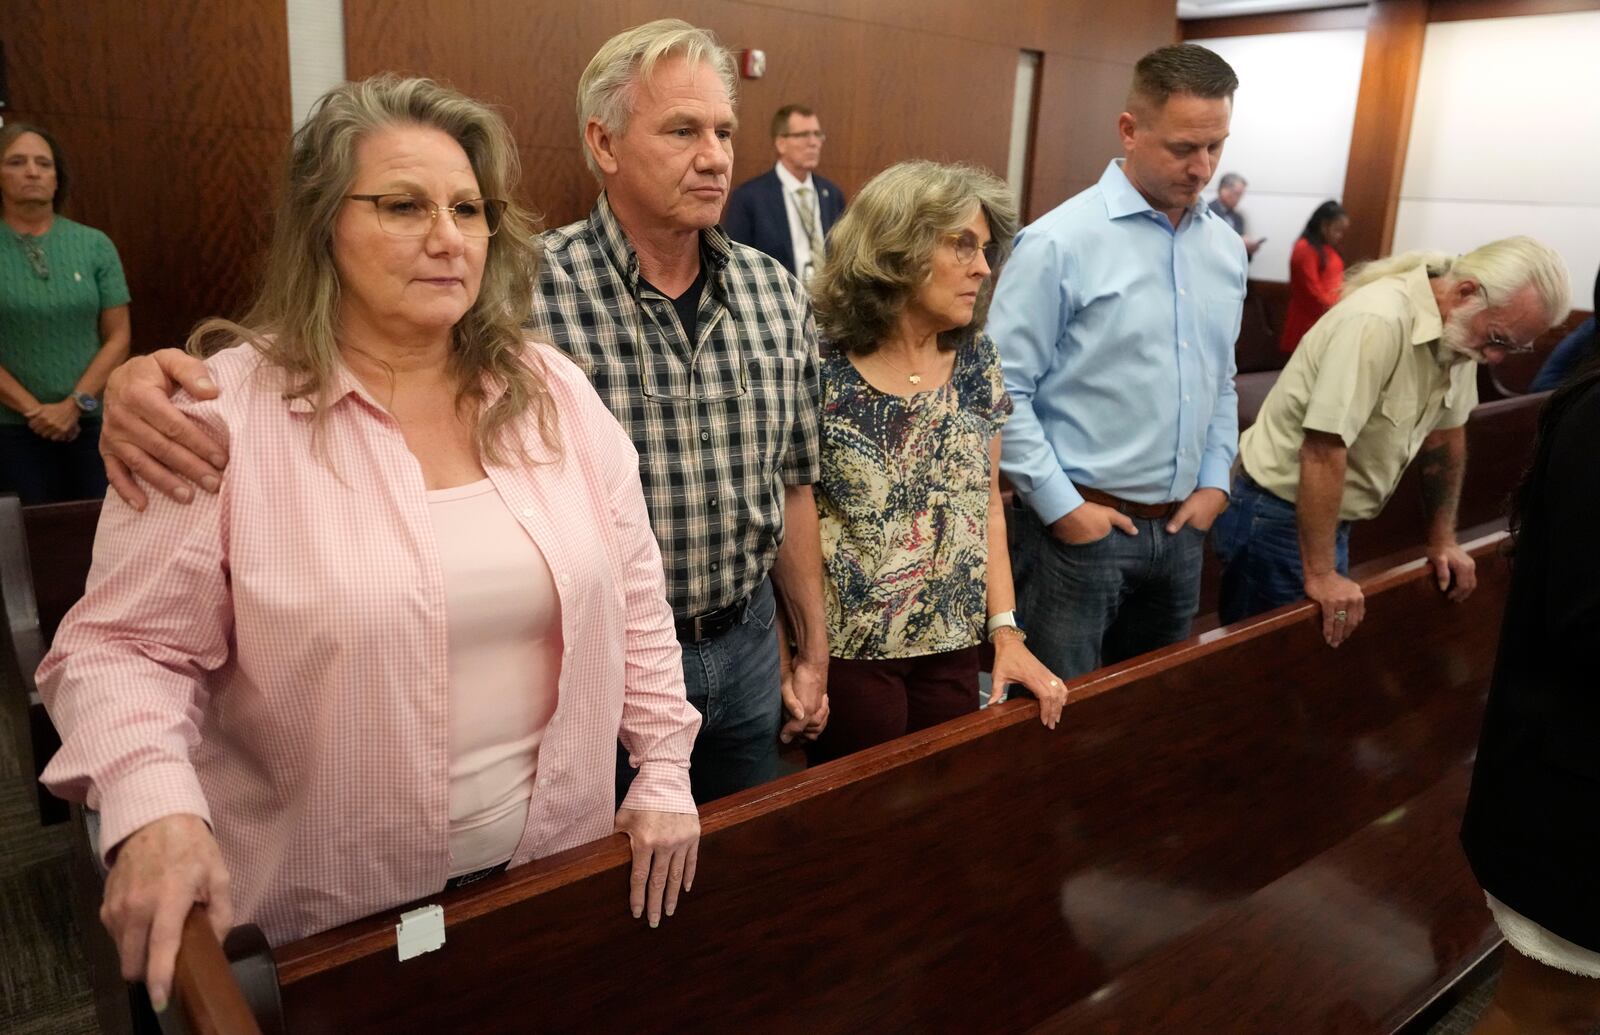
(1230, 191)
(788, 210)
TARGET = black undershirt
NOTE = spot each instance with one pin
(687, 304)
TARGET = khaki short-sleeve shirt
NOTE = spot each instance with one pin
(1374, 372)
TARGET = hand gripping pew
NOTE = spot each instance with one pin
(991, 875)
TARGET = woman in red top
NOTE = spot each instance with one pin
(1315, 272)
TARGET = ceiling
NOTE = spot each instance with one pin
(1224, 8)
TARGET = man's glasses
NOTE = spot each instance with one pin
(807, 134)
(1496, 340)
(35, 252)
(966, 248)
(408, 215)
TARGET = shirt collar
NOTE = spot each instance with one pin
(346, 384)
(790, 183)
(716, 247)
(1427, 327)
(1122, 198)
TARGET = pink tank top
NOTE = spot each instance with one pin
(504, 622)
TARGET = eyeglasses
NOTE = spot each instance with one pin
(408, 215)
(809, 134)
(35, 252)
(966, 248)
(1499, 341)
(1496, 340)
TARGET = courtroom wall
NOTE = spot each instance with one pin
(1504, 140)
(890, 79)
(172, 117)
(1290, 135)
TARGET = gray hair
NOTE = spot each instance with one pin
(881, 250)
(1503, 267)
(607, 88)
(1231, 180)
(294, 320)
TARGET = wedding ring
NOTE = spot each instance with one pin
(1340, 616)
(1055, 682)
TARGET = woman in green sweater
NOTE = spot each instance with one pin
(63, 327)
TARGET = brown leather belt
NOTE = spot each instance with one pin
(1153, 511)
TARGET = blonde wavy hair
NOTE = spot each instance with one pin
(294, 320)
(881, 250)
(1503, 267)
(606, 88)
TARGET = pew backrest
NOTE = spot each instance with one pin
(980, 875)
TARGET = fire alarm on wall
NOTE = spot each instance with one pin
(752, 63)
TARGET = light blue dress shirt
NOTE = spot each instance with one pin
(1116, 333)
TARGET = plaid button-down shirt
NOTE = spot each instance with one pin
(722, 423)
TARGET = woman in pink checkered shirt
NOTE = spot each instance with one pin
(395, 651)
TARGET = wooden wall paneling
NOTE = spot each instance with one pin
(1382, 127)
(890, 79)
(173, 118)
(1079, 101)
(1124, 31)
(1281, 21)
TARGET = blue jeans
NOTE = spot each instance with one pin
(733, 681)
(1105, 601)
(1258, 542)
(41, 471)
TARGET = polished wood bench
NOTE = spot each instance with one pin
(988, 874)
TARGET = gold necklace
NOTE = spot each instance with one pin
(913, 377)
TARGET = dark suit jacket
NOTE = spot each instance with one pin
(1531, 822)
(756, 215)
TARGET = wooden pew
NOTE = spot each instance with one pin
(991, 875)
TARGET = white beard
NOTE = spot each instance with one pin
(1456, 337)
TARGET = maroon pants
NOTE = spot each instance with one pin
(870, 702)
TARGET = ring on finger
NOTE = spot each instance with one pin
(1341, 616)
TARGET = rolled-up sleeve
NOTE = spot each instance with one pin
(125, 680)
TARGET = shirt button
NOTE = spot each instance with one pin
(713, 502)
(1181, 291)
(1183, 344)
(705, 436)
(1185, 398)
(527, 512)
(713, 565)
(544, 781)
(566, 580)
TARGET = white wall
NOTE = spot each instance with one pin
(1505, 139)
(1292, 118)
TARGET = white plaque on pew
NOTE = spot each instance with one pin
(419, 931)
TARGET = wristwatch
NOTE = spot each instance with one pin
(86, 402)
(1003, 620)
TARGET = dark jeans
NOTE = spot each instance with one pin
(733, 681)
(876, 700)
(1258, 542)
(41, 471)
(1105, 601)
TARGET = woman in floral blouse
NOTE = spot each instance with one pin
(909, 498)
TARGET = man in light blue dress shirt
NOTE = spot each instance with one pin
(1116, 320)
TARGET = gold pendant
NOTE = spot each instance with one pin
(915, 379)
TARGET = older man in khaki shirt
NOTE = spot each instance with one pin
(1384, 377)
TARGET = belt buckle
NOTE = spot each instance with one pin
(697, 634)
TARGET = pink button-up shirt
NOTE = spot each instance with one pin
(273, 658)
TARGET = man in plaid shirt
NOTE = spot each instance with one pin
(706, 353)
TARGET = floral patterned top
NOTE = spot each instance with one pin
(904, 506)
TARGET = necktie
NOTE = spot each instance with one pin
(808, 219)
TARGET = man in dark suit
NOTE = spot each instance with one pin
(788, 211)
